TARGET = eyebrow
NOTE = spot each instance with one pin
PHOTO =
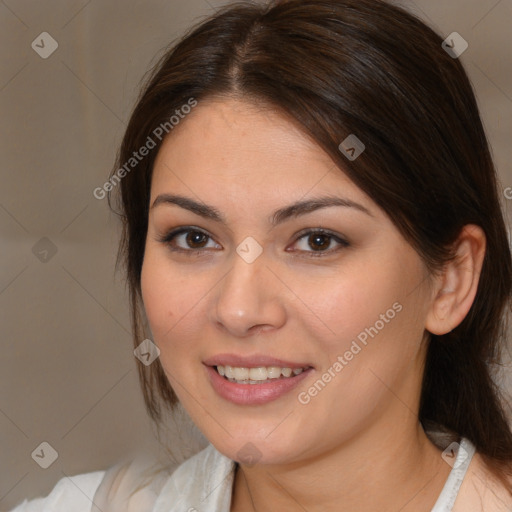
(293, 210)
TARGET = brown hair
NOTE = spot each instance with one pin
(364, 67)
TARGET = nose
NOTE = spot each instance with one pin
(250, 299)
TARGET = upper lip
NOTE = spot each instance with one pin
(253, 361)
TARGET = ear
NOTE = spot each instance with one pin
(456, 287)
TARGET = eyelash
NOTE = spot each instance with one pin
(169, 237)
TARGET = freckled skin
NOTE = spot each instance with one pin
(248, 162)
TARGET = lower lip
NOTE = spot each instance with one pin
(253, 394)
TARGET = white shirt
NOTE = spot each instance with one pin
(203, 483)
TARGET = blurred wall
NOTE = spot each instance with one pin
(68, 370)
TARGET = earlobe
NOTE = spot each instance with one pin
(457, 286)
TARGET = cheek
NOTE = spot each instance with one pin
(346, 303)
(371, 316)
(175, 301)
(369, 356)
(166, 304)
(168, 297)
(158, 300)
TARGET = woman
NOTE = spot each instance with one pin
(313, 233)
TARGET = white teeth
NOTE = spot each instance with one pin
(286, 372)
(274, 372)
(229, 372)
(259, 373)
(241, 373)
(256, 375)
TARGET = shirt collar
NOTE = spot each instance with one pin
(202, 483)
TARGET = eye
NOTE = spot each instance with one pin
(320, 241)
(190, 240)
(194, 241)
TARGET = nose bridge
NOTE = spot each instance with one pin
(247, 296)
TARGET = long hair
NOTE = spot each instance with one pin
(336, 68)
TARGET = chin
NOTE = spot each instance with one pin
(257, 448)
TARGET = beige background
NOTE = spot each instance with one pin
(67, 367)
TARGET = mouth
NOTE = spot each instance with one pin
(254, 380)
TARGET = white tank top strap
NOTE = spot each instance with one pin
(464, 454)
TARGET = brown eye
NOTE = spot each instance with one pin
(188, 240)
(319, 241)
(196, 239)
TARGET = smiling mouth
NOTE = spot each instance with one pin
(258, 375)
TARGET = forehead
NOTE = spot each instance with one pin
(250, 148)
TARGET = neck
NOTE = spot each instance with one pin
(389, 467)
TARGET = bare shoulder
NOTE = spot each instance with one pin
(481, 491)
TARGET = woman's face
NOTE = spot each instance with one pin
(245, 287)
